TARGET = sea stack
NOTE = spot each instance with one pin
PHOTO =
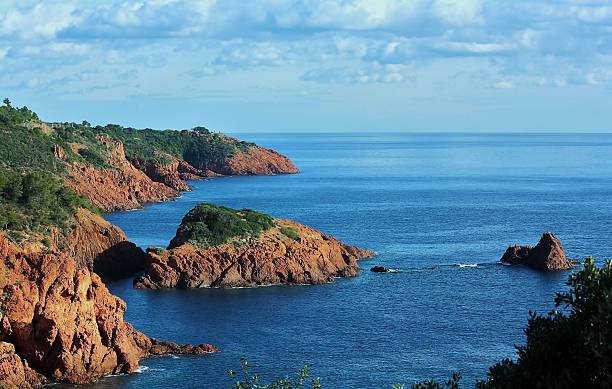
(547, 255)
(219, 247)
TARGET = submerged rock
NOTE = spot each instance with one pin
(284, 252)
(380, 269)
(547, 255)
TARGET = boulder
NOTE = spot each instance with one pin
(380, 269)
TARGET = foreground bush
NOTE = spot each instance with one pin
(570, 347)
(249, 380)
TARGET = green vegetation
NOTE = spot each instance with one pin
(200, 147)
(252, 381)
(452, 383)
(157, 250)
(28, 143)
(26, 146)
(571, 348)
(14, 116)
(5, 297)
(34, 201)
(290, 232)
(211, 225)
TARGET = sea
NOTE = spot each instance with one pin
(438, 208)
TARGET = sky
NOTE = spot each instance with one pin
(307, 65)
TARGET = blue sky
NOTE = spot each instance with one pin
(291, 65)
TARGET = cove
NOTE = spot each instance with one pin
(429, 204)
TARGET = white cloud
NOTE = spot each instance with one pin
(459, 12)
(38, 22)
(536, 42)
(363, 75)
(503, 85)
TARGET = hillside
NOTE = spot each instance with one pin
(220, 247)
(57, 318)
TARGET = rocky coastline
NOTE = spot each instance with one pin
(270, 258)
(58, 321)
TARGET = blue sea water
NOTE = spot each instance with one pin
(426, 203)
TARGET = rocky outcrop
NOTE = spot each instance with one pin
(65, 323)
(121, 187)
(256, 161)
(101, 247)
(268, 259)
(15, 372)
(93, 242)
(129, 184)
(173, 172)
(547, 255)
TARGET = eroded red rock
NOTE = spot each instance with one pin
(15, 372)
(547, 255)
(271, 258)
(65, 323)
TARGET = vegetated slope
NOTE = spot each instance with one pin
(120, 168)
(56, 316)
(222, 247)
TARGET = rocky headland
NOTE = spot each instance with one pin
(547, 255)
(128, 183)
(58, 321)
(218, 247)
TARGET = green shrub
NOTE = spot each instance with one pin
(452, 383)
(570, 348)
(25, 145)
(10, 115)
(251, 380)
(200, 148)
(290, 232)
(211, 225)
(36, 200)
(94, 158)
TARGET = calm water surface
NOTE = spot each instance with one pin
(425, 203)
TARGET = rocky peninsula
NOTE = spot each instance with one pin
(219, 247)
(58, 321)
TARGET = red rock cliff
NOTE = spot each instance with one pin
(101, 246)
(271, 258)
(118, 188)
(129, 184)
(256, 161)
(65, 323)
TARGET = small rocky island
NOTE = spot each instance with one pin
(547, 255)
(219, 247)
